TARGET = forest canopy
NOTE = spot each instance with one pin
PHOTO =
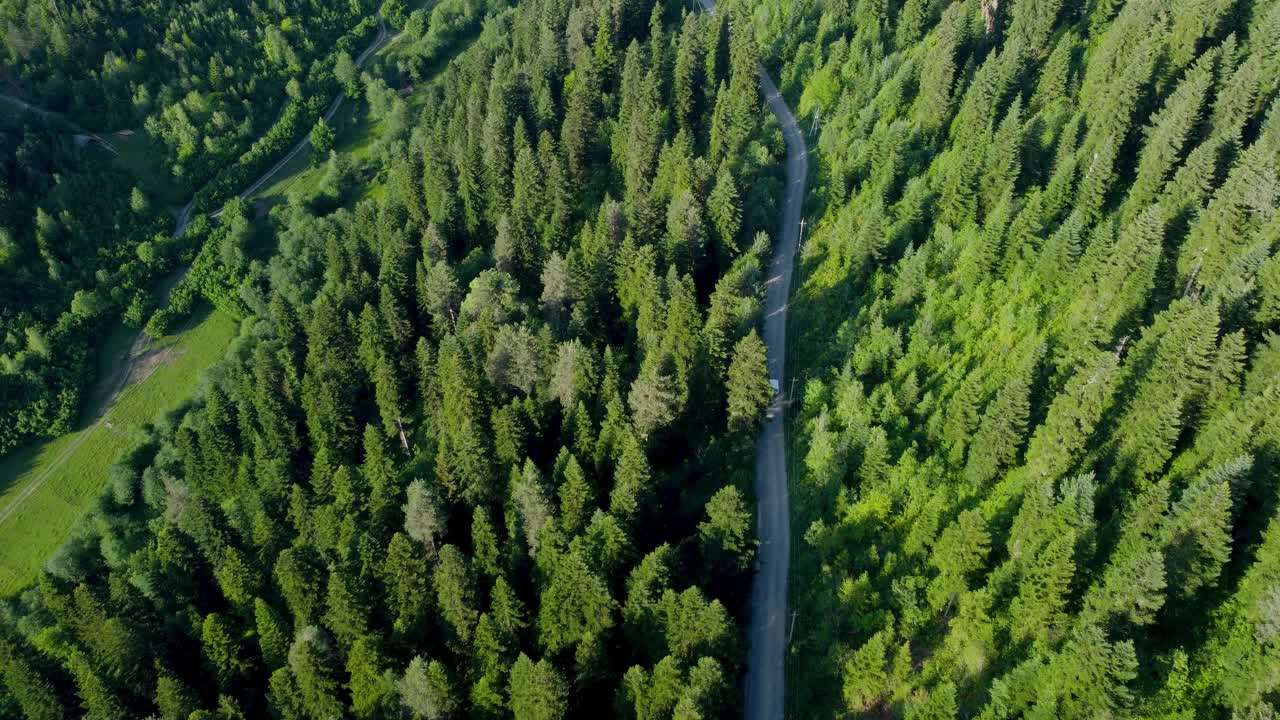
(483, 445)
(1036, 328)
(475, 451)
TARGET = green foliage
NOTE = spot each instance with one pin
(321, 138)
(72, 229)
(749, 388)
(367, 511)
(538, 692)
(1036, 278)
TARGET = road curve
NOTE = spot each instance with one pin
(767, 634)
(382, 40)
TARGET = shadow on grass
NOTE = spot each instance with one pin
(18, 463)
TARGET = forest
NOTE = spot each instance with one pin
(482, 445)
(1034, 436)
(81, 241)
(79, 244)
(203, 79)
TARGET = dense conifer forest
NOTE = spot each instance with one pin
(483, 446)
(1035, 439)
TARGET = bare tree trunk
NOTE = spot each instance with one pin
(1191, 280)
(404, 441)
(989, 8)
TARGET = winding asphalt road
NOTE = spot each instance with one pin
(767, 635)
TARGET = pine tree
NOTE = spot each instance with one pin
(1181, 343)
(484, 542)
(725, 534)
(1165, 135)
(865, 673)
(424, 517)
(425, 690)
(632, 482)
(99, 700)
(454, 584)
(300, 576)
(933, 103)
(1245, 201)
(725, 208)
(749, 390)
(1198, 530)
(1133, 583)
(372, 691)
(464, 442)
(960, 551)
(1000, 432)
(174, 698)
(937, 704)
(405, 573)
(576, 498)
(347, 612)
(34, 694)
(532, 504)
(538, 692)
(1071, 419)
(576, 607)
(221, 648)
(273, 633)
(313, 664)
(687, 76)
(653, 401)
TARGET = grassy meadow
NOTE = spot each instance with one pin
(58, 480)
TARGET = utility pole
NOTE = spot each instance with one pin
(791, 394)
(791, 633)
(817, 122)
(800, 242)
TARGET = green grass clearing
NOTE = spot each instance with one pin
(354, 134)
(143, 157)
(80, 459)
(71, 469)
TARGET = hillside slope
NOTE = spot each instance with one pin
(1035, 467)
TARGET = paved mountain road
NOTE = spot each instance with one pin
(766, 684)
(767, 634)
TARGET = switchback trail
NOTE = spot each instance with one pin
(767, 634)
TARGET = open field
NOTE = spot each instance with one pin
(60, 478)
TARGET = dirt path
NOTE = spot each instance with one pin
(80, 135)
(383, 40)
(108, 388)
(114, 384)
